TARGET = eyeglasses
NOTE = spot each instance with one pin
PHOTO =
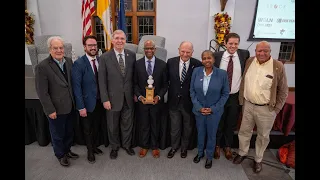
(57, 48)
(92, 45)
(152, 48)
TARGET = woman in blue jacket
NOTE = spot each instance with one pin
(209, 90)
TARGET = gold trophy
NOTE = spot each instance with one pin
(149, 91)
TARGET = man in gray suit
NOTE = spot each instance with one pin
(53, 86)
(116, 69)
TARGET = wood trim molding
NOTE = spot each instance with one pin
(291, 88)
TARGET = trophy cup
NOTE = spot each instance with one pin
(149, 91)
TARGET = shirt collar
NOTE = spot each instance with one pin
(117, 53)
(204, 72)
(263, 64)
(152, 59)
(90, 58)
(187, 62)
(62, 62)
(227, 54)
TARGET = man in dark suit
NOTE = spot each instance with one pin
(116, 69)
(180, 105)
(149, 114)
(54, 89)
(232, 60)
(87, 97)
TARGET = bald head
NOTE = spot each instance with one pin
(149, 48)
(263, 51)
(185, 50)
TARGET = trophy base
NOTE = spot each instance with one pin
(149, 95)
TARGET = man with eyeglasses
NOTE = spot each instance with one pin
(54, 89)
(116, 91)
(87, 96)
(150, 114)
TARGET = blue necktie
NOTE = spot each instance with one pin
(184, 72)
(149, 69)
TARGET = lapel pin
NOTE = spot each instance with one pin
(201, 79)
(127, 54)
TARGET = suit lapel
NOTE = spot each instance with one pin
(176, 68)
(241, 59)
(115, 61)
(127, 57)
(88, 67)
(155, 68)
(218, 59)
(57, 70)
(201, 79)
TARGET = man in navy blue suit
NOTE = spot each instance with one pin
(87, 96)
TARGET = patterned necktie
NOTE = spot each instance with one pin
(96, 75)
(149, 69)
(121, 64)
(230, 71)
(184, 72)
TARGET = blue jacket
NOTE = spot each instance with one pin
(217, 94)
(84, 84)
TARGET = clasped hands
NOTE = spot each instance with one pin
(205, 111)
(155, 100)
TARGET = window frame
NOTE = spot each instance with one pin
(134, 14)
(292, 54)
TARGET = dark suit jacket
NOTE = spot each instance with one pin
(177, 91)
(113, 86)
(55, 93)
(217, 94)
(242, 53)
(84, 84)
(159, 75)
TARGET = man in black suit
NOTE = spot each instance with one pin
(115, 76)
(232, 60)
(54, 89)
(180, 106)
(149, 114)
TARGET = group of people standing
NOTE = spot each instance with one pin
(207, 94)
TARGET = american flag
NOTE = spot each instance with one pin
(87, 11)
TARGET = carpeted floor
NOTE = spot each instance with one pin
(41, 164)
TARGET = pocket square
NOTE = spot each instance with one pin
(269, 76)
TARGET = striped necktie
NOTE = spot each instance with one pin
(149, 69)
(184, 72)
(121, 64)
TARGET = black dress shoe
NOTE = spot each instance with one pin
(113, 154)
(91, 158)
(171, 153)
(197, 158)
(129, 151)
(72, 155)
(64, 161)
(208, 164)
(184, 153)
(238, 159)
(257, 167)
(97, 151)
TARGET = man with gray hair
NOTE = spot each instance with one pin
(263, 92)
(115, 76)
(54, 88)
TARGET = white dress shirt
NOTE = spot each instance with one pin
(236, 75)
(181, 66)
(123, 56)
(91, 63)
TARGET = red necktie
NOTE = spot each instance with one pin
(230, 70)
(96, 74)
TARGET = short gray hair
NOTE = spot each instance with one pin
(118, 31)
(50, 39)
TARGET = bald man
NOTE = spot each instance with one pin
(180, 106)
(263, 92)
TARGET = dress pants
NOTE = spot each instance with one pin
(182, 124)
(120, 121)
(207, 125)
(149, 123)
(229, 120)
(61, 130)
(264, 119)
(91, 125)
